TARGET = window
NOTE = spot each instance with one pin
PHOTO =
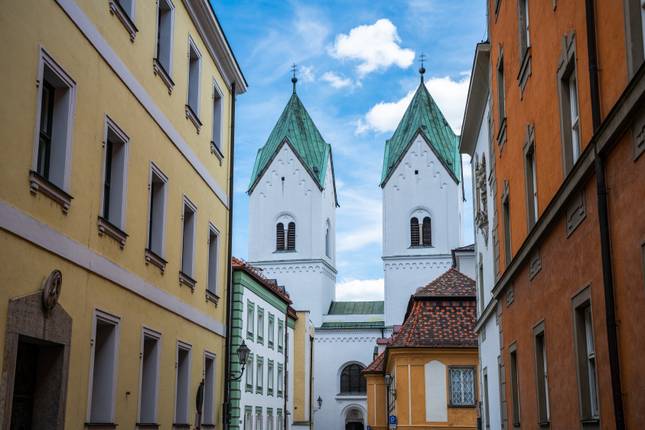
(258, 418)
(216, 142)
(213, 247)
(259, 375)
(569, 113)
(260, 333)
(188, 241)
(414, 232)
(164, 36)
(271, 328)
(515, 388)
(250, 319)
(249, 374)
(501, 92)
(209, 389)
(279, 237)
(194, 68)
(279, 420)
(248, 418)
(643, 23)
(149, 377)
(426, 231)
(480, 283)
(270, 378)
(352, 380)
(541, 374)
(280, 335)
(280, 379)
(157, 209)
(586, 356)
(54, 132)
(525, 38)
(507, 226)
(114, 175)
(103, 375)
(530, 172)
(462, 386)
(328, 239)
(182, 383)
(291, 236)
(486, 400)
(269, 419)
(127, 6)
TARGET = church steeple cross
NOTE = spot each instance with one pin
(422, 69)
(294, 68)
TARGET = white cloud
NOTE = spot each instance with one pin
(336, 81)
(449, 94)
(360, 289)
(376, 46)
(306, 73)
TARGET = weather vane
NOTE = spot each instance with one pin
(422, 69)
(293, 78)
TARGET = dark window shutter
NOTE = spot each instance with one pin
(279, 237)
(427, 231)
(414, 232)
(291, 236)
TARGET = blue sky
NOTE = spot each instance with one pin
(358, 63)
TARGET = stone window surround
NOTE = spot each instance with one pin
(530, 182)
(475, 387)
(125, 17)
(514, 385)
(634, 35)
(501, 102)
(567, 66)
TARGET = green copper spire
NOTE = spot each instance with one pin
(295, 128)
(423, 117)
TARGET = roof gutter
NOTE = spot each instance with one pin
(603, 222)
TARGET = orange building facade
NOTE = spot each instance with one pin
(427, 375)
(568, 133)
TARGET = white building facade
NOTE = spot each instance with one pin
(476, 142)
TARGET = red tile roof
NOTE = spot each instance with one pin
(256, 273)
(378, 365)
(453, 283)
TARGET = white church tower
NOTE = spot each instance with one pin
(422, 195)
(292, 210)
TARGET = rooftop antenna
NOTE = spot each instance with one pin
(293, 78)
(422, 69)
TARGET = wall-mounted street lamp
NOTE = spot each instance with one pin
(319, 401)
(242, 355)
(388, 379)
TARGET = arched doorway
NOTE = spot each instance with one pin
(354, 419)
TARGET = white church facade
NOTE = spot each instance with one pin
(292, 221)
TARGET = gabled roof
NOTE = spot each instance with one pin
(356, 308)
(423, 117)
(453, 284)
(296, 129)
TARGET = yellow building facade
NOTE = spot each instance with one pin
(426, 377)
(301, 364)
(114, 212)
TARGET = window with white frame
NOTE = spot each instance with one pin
(280, 335)
(218, 112)
(182, 384)
(188, 238)
(569, 112)
(157, 210)
(585, 349)
(149, 377)
(279, 420)
(54, 122)
(572, 86)
(259, 375)
(260, 332)
(280, 379)
(531, 185)
(209, 389)
(194, 68)
(128, 7)
(541, 375)
(213, 247)
(249, 374)
(270, 377)
(515, 386)
(271, 330)
(114, 174)
(103, 376)
(525, 38)
(165, 11)
(258, 418)
(462, 386)
(269, 418)
(248, 418)
(250, 319)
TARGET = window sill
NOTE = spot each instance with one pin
(155, 260)
(147, 426)
(461, 406)
(39, 184)
(117, 10)
(212, 297)
(159, 70)
(180, 426)
(420, 246)
(217, 152)
(108, 229)
(101, 425)
(192, 116)
(186, 280)
(208, 426)
(544, 424)
(351, 396)
(525, 70)
(501, 134)
(284, 251)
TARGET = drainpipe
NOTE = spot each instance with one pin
(311, 382)
(603, 221)
(229, 276)
(285, 373)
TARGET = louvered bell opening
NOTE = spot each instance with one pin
(279, 237)
(426, 231)
(291, 237)
(414, 232)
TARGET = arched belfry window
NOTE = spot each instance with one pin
(279, 237)
(426, 232)
(327, 240)
(291, 236)
(352, 380)
(414, 232)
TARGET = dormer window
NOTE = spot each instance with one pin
(420, 232)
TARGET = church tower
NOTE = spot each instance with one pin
(422, 198)
(292, 210)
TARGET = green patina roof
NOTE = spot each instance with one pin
(423, 116)
(295, 126)
(355, 308)
(351, 325)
